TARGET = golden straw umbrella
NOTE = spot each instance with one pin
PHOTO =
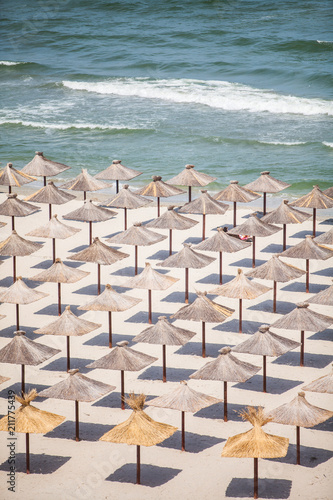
(79, 388)
(266, 184)
(255, 443)
(30, 420)
(123, 358)
(329, 192)
(240, 288)
(236, 193)
(136, 235)
(322, 384)
(301, 413)
(69, 325)
(325, 238)
(164, 333)
(159, 189)
(117, 172)
(205, 310)
(139, 429)
(11, 177)
(51, 195)
(16, 246)
(84, 182)
(40, 166)
(316, 199)
(14, 207)
(184, 399)
(226, 368)
(111, 301)
(191, 177)
(324, 298)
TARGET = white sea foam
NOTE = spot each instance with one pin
(10, 63)
(66, 126)
(216, 94)
(328, 144)
(323, 41)
(281, 143)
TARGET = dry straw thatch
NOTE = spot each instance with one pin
(11, 177)
(325, 297)
(51, 195)
(16, 246)
(126, 199)
(84, 182)
(329, 192)
(159, 189)
(191, 178)
(117, 172)
(43, 167)
(315, 199)
(266, 184)
(14, 207)
(325, 238)
(236, 193)
(322, 384)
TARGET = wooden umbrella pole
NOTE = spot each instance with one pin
(158, 206)
(203, 226)
(77, 437)
(14, 268)
(44, 181)
(284, 236)
(110, 328)
(235, 208)
(189, 194)
(183, 431)
(98, 279)
(68, 353)
(240, 315)
(59, 299)
(255, 485)
(253, 251)
(53, 249)
(170, 241)
(9, 189)
(17, 316)
(22, 379)
(137, 464)
(90, 232)
(203, 339)
(264, 204)
(225, 384)
(122, 388)
(164, 361)
(13, 222)
(136, 260)
(314, 221)
(302, 349)
(125, 218)
(84, 195)
(221, 279)
(27, 452)
(50, 211)
(307, 275)
(274, 297)
(149, 308)
(298, 445)
(117, 186)
(186, 285)
(264, 373)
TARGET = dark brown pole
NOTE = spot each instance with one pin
(221, 279)
(125, 218)
(158, 206)
(14, 268)
(203, 339)
(13, 222)
(235, 208)
(90, 232)
(44, 181)
(59, 299)
(122, 385)
(68, 354)
(264, 374)
(240, 315)
(22, 379)
(284, 236)
(50, 211)
(53, 249)
(17, 316)
(255, 486)
(302, 350)
(84, 195)
(298, 445)
(186, 285)
(225, 384)
(98, 279)
(27, 452)
(77, 437)
(183, 431)
(137, 464)
(264, 203)
(170, 241)
(149, 308)
(253, 251)
(314, 222)
(117, 186)
(164, 362)
(203, 226)
(189, 193)
(136, 260)
(110, 329)
(307, 262)
(274, 296)
(9, 189)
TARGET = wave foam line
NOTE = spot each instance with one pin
(281, 143)
(328, 144)
(10, 63)
(67, 126)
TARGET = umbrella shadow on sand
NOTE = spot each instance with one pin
(248, 327)
(299, 287)
(324, 335)
(274, 248)
(8, 281)
(328, 271)
(59, 365)
(173, 374)
(28, 386)
(195, 349)
(193, 240)
(268, 488)
(178, 297)
(305, 232)
(282, 307)
(9, 332)
(311, 360)
(142, 317)
(112, 400)
(52, 310)
(151, 475)
(160, 255)
(45, 264)
(247, 263)
(88, 431)
(195, 443)
(103, 339)
(42, 464)
(324, 426)
(214, 279)
(274, 385)
(311, 457)
(216, 412)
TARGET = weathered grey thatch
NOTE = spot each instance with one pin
(117, 172)
(11, 177)
(159, 189)
(54, 229)
(20, 293)
(43, 167)
(266, 184)
(3, 379)
(316, 199)
(14, 207)
(137, 235)
(329, 192)
(59, 272)
(52, 195)
(236, 193)
(84, 182)
(17, 246)
(325, 238)
(191, 177)
(126, 199)
(68, 324)
(325, 297)
(322, 384)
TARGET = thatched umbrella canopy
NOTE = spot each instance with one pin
(51, 195)
(16, 246)
(266, 343)
(184, 399)
(322, 384)
(14, 207)
(60, 273)
(40, 166)
(324, 298)
(304, 319)
(204, 205)
(11, 177)
(316, 199)
(3, 379)
(226, 368)
(159, 189)
(69, 325)
(117, 172)
(23, 351)
(171, 220)
(308, 249)
(325, 238)
(90, 213)
(100, 254)
(84, 182)
(284, 215)
(54, 229)
(254, 227)
(187, 258)
(266, 184)
(277, 271)
(79, 388)
(205, 310)
(329, 192)
(240, 288)
(126, 199)
(164, 333)
(137, 235)
(123, 358)
(255, 443)
(19, 293)
(236, 193)
(191, 177)
(31, 420)
(301, 413)
(111, 301)
(149, 279)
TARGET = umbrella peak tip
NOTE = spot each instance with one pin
(9, 165)
(26, 398)
(14, 231)
(12, 195)
(123, 343)
(51, 183)
(162, 318)
(57, 261)
(301, 394)
(225, 350)
(125, 186)
(302, 305)
(233, 182)
(263, 328)
(19, 333)
(189, 166)
(39, 153)
(137, 224)
(19, 278)
(156, 178)
(183, 382)
(203, 191)
(265, 172)
(285, 202)
(239, 271)
(72, 372)
(116, 162)
(96, 239)
(67, 308)
(171, 207)
(147, 264)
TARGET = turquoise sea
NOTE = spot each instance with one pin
(234, 87)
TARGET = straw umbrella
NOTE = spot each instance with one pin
(149, 279)
(315, 199)
(23, 351)
(164, 333)
(255, 443)
(308, 249)
(277, 271)
(136, 235)
(51, 195)
(16, 246)
(171, 220)
(111, 301)
(54, 229)
(126, 199)
(159, 189)
(69, 325)
(100, 254)
(324, 298)
(139, 429)
(266, 343)
(60, 273)
(123, 358)
(76, 387)
(191, 177)
(329, 192)
(301, 413)
(205, 310)
(40, 166)
(90, 213)
(14, 207)
(236, 193)
(11, 177)
(322, 384)
(117, 172)
(266, 184)
(184, 399)
(204, 205)
(187, 258)
(325, 238)
(19, 293)
(284, 215)
(30, 420)
(240, 288)
(304, 319)
(84, 182)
